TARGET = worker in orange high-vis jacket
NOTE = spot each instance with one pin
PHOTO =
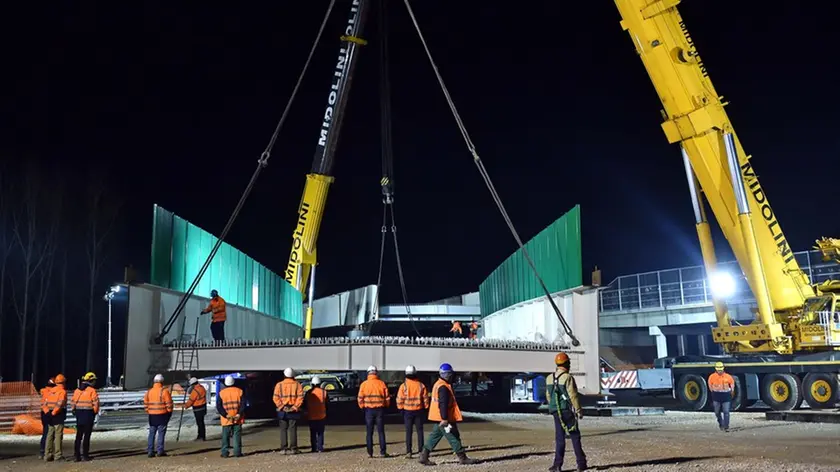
(198, 402)
(413, 400)
(456, 330)
(85, 407)
(373, 399)
(473, 330)
(45, 423)
(722, 387)
(219, 315)
(288, 398)
(56, 412)
(445, 413)
(231, 408)
(316, 412)
(158, 403)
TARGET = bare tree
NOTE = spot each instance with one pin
(102, 213)
(6, 245)
(35, 228)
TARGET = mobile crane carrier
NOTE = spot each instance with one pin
(790, 351)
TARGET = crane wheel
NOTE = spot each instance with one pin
(781, 391)
(739, 395)
(692, 392)
(821, 390)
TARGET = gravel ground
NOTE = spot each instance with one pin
(677, 441)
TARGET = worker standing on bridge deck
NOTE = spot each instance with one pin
(85, 407)
(217, 322)
(316, 413)
(456, 330)
(288, 398)
(231, 408)
(722, 386)
(473, 330)
(413, 399)
(198, 402)
(56, 411)
(45, 420)
(373, 399)
(445, 413)
(158, 403)
(564, 406)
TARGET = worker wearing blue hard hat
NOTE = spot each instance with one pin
(445, 413)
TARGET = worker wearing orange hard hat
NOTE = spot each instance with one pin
(564, 406)
(722, 387)
(55, 409)
(45, 423)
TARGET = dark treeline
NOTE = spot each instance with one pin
(59, 232)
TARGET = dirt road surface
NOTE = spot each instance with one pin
(677, 441)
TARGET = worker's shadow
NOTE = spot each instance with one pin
(664, 461)
(472, 449)
(514, 457)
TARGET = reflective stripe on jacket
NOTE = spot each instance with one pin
(288, 394)
(56, 401)
(453, 412)
(158, 400)
(231, 399)
(373, 393)
(86, 399)
(721, 382)
(412, 396)
(217, 308)
(198, 397)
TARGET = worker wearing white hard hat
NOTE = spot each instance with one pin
(231, 408)
(373, 399)
(413, 400)
(288, 398)
(158, 403)
(198, 402)
(316, 413)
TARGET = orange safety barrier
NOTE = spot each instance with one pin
(18, 399)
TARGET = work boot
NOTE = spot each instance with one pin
(464, 460)
(424, 457)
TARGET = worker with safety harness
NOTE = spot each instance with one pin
(445, 413)
(198, 402)
(722, 386)
(564, 406)
(412, 399)
(219, 315)
(85, 407)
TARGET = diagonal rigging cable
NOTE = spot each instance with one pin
(483, 171)
(262, 162)
(387, 181)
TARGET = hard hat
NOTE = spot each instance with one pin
(410, 370)
(372, 369)
(214, 293)
(561, 358)
(315, 380)
(289, 373)
(90, 376)
(445, 368)
(158, 378)
(60, 379)
(193, 380)
(718, 365)
(229, 381)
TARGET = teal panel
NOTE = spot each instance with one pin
(179, 250)
(556, 252)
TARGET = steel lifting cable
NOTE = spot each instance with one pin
(262, 162)
(486, 176)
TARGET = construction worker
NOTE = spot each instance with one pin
(413, 399)
(198, 402)
(722, 386)
(456, 330)
(445, 413)
(473, 330)
(158, 403)
(564, 406)
(217, 322)
(373, 399)
(316, 413)
(231, 408)
(288, 398)
(85, 407)
(55, 409)
(45, 423)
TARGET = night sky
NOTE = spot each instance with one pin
(176, 102)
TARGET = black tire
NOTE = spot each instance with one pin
(781, 391)
(692, 392)
(821, 390)
(739, 395)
